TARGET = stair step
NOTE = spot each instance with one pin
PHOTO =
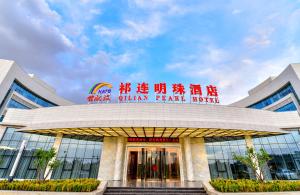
(139, 193)
(154, 190)
(151, 190)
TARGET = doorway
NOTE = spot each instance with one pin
(153, 163)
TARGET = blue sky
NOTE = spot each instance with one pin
(74, 44)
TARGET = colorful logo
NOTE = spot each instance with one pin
(97, 88)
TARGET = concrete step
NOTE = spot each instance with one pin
(158, 192)
(152, 191)
(133, 193)
(153, 188)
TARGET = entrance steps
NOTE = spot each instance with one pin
(154, 190)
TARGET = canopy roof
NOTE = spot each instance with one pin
(151, 120)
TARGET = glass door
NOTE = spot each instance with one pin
(153, 163)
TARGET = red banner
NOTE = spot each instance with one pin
(153, 139)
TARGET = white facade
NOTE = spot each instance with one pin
(192, 126)
(190, 123)
(151, 115)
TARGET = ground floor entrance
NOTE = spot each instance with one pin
(153, 163)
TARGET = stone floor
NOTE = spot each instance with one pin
(155, 183)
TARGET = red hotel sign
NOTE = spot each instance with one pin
(153, 139)
(141, 92)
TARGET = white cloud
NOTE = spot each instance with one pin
(123, 59)
(261, 37)
(137, 77)
(39, 10)
(84, 41)
(78, 14)
(110, 62)
(168, 7)
(29, 34)
(236, 11)
(153, 22)
(253, 41)
(235, 78)
(176, 65)
(135, 30)
(94, 1)
(247, 61)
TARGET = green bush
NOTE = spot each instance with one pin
(64, 185)
(248, 185)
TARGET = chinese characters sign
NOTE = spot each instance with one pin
(157, 92)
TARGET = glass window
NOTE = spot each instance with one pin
(221, 163)
(30, 95)
(79, 158)
(20, 89)
(288, 107)
(14, 104)
(12, 140)
(285, 153)
(287, 89)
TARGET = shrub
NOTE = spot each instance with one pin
(64, 185)
(248, 185)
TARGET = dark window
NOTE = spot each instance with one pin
(80, 158)
(19, 88)
(15, 104)
(285, 153)
(288, 107)
(220, 157)
(287, 89)
(10, 145)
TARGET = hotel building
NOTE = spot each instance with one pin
(148, 141)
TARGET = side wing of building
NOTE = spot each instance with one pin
(21, 90)
(24, 91)
(277, 94)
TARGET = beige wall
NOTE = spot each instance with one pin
(200, 162)
(108, 157)
(2, 130)
(113, 165)
(183, 165)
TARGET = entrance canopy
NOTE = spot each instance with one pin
(151, 120)
(169, 132)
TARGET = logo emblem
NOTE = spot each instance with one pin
(100, 93)
(96, 88)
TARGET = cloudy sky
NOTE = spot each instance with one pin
(74, 44)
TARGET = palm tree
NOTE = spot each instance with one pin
(44, 159)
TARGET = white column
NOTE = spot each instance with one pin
(249, 144)
(119, 159)
(188, 159)
(200, 161)
(107, 160)
(16, 163)
(2, 131)
(56, 146)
